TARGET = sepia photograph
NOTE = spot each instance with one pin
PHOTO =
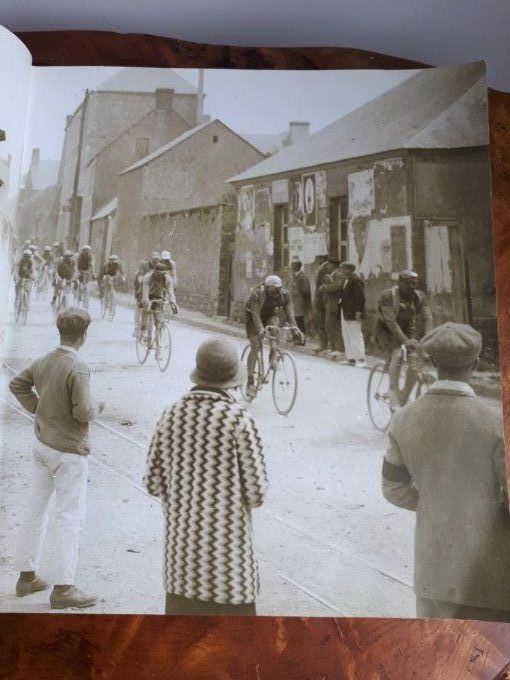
(249, 344)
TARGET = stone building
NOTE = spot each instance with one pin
(36, 215)
(177, 199)
(401, 182)
(129, 115)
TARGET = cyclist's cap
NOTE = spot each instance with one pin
(73, 322)
(47, 248)
(453, 345)
(32, 247)
(155, 255)
(113, 257)
(56, 244)
(68, 253)
(217, 364)
(273, 281)
(407, 275)
(27, 252)
(87, 247)
(165, 255)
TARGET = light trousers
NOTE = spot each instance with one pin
(353, 340)
(64, 477)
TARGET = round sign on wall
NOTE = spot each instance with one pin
(309, 195)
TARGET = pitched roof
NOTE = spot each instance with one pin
(179, 140)
(146, 80)
(105, 210)
(436, 108)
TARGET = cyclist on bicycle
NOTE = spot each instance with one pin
(48, 257)
(112, 267)
(65, 271)
(142, 270)
(169, 264)
(404, 318)
(86, 264)
(158, 285)
(24, 270)
(265, 302)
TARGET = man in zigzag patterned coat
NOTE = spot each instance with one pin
(207, 467)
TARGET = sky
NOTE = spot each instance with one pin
(250, 102)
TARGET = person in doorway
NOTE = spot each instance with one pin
(352, 310)
(210, 565)
(327, 267)
(266, 301)
(56, 389)
(331, 291)
(301, 294)
(404, 317)
(446, 462)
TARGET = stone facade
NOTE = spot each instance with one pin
(98, 122)
(426, 210)
(178, 199)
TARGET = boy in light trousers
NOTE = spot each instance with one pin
(56, 389)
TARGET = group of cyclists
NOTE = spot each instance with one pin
(61, 269)
(400, 308)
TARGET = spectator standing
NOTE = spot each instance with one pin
(325, 268)
(56, 388)
(352, 311)
(446, 462)
(300, 291)
(331, 291)
(206, 465)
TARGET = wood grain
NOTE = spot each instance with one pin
(110, 647)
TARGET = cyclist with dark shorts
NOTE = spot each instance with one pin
(404, 318)
(65, 271)
(111, 267)
(157, 285)
(24, 271)
(266, 301)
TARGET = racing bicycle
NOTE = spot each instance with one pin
(281, 369)
(63, 292)
(22, 301)
(108, 301)
(157, 337)
(378, 387)
(83, 295)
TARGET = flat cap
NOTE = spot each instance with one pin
(348, 265)
(453, 345)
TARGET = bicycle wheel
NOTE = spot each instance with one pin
(163, 346)
(142, 347)
(284, 383)
(112, 307)
(378, 397)
(104, 304)
(258, 374)
(24, 311)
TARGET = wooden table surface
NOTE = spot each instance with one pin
(106, 647)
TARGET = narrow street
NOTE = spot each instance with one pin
(328, 543)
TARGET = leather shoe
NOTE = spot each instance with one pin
(24, 588)
(71, 597)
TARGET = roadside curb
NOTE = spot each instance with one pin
(480, 385)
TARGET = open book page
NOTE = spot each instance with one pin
(15, 78)
(312, 252)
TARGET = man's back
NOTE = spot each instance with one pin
(64, 406)
(452, 445)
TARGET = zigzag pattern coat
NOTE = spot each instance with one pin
(206, 465)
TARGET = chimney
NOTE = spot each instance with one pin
(164, 99)
(298, 130)
(200, 97)
(36, 156)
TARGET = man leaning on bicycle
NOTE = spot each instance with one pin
(265, 302)
(404, 318)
